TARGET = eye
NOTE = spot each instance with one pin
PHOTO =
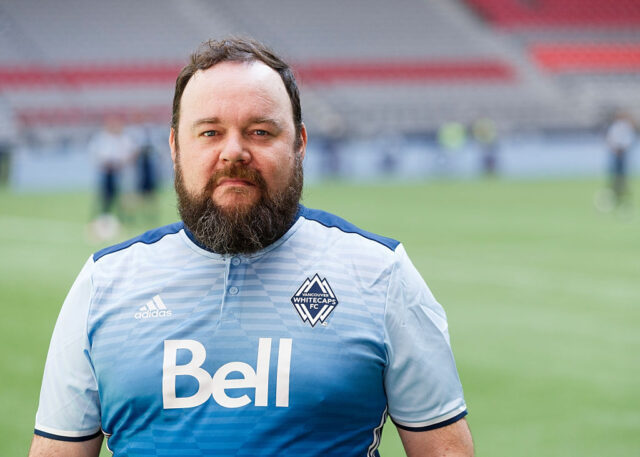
(260, 132)
(209, 133)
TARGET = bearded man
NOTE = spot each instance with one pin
(255, 326)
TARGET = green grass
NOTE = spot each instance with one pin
(542, 293)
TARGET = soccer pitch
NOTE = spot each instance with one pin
(542, 293)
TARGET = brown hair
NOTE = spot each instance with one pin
(213, 52)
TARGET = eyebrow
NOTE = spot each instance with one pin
(256, 120)
(266, 120)
(206, 120)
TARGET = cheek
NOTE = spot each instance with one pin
(195, 173)
(196, 161)
(280, 173)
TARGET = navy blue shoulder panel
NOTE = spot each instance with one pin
(149, 237)
(331, 220)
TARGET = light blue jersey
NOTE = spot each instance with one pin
(301, 349)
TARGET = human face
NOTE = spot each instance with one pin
(236, 115)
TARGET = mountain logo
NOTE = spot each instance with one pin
(314, 300)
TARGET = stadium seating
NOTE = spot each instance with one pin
(589, 50)
(587, 57)
(367, 65)
(559, 13)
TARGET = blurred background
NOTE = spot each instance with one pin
(495, 138)
(412, 89)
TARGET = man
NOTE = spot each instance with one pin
(256, 326)
(8, 137)
(113, 150)
(620, 139)
(146, 172)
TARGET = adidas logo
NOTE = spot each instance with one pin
(153, 309)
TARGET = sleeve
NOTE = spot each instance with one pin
(69, 408)
(421, 380)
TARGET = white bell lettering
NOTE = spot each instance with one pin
(218, 385)
(170, 369)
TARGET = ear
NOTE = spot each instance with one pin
(173, 145)
(303, 142)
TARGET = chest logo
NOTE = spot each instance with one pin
(314, 300)
(155, 308)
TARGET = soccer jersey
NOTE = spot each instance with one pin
(301, 349)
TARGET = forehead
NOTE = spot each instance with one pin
(235, 88)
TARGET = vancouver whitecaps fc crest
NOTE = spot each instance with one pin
(314, 300)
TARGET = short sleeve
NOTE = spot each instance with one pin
(421, 379)
(69, 407)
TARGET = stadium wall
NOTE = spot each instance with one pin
(524, 156)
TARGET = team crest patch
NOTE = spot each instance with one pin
(314, 300)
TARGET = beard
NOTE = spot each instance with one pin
(242, 229)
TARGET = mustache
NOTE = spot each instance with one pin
(237, 172)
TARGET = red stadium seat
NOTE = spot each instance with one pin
(558, 13)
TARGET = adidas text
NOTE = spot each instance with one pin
(152, 314)
(154, 308)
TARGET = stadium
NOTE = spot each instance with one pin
(477, 132)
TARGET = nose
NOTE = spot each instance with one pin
(234, 150)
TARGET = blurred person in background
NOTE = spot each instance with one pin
(146, 169)
(621, 136)
(8, 139)
(391, 151)
(485, 135)
(451, 138)
(255, 326)
(332, 138)
(113, 149)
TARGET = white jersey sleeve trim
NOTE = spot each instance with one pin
(66, 433)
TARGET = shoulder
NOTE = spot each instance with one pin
(345, 228)
(150, 237)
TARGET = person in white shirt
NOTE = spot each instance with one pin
(113, 150)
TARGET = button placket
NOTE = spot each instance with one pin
(233, 281)
(235, 268)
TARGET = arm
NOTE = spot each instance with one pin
(45, 447)
(450, 441)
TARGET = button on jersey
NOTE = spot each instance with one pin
(301, 349)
